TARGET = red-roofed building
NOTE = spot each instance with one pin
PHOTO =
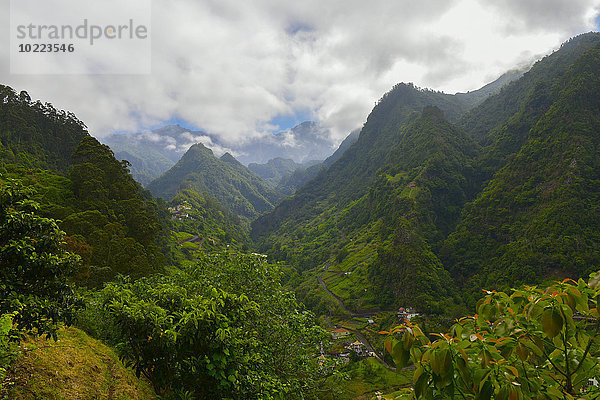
(339, 333)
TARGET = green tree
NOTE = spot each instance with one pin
(33, 264)
(222, 328)
(537, 343)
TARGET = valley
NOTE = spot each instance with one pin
(330, 277)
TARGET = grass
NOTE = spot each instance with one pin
(364, 378)
(75, 367)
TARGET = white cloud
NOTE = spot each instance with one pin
(187, 139)
(228, 67)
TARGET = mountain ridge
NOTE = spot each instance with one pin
(233, 184)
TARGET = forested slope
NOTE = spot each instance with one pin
(230, 182)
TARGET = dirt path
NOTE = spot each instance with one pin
(339, 301)
(359, 335)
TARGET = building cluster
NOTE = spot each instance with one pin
(344, 349)
(181, 212)
(405, 314)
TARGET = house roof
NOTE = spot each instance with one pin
(339, 330)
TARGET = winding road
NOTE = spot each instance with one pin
(359, 335)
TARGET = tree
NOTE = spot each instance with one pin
(222, 328)
(534, 344)
(33, 264)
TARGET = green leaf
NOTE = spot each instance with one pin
(485, 391)
(552, 322)
(400, 355)
(421, 384)
(441, 363)
(522, 352)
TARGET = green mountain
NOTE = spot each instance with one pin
(36, 135)
(150, 153)
(226, 179)
(110, 221)
(350, 176)
(291, 182)
(498, 194)
(275, 169)
(539, 216)
(484, 122)
(147, 168)
(286, 176)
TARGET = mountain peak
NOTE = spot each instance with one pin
(199, 147)
(229, 159)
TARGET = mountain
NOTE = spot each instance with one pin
(336, 220)
(109, 220)
(345, 145)
(203, 224)
(226, 179)
(539, 215)
(443, 193)
(274, 170)
(303, 143)
(37, 135)
(286, 176)
(484, 121)
(349, 177)
(152, 153)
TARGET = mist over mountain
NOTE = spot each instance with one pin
(152, 153)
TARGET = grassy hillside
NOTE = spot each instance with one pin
(74, 367)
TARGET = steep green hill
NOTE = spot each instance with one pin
(109, 219)
(201, 223)
(380, 217)
(37, 135)
(274, 169)
(150, 153)
(230, 182)
(384, 242)
(483, 121)
(349, 177)
(147, 168)
(540, 215)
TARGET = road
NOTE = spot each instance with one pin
(352, 314)
(339, 301)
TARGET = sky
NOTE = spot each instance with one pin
(241, 70)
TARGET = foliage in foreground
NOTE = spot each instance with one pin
(534, 344)
(223, 328)
(33, 265)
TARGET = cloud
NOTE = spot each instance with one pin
(545, 15)
(187, 139)
(229, 67)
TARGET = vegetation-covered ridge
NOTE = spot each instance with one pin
(539, 215)
(230, 182)
(506, 200)
(35, 134)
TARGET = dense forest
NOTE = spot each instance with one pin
(474, 214)
(492, 196)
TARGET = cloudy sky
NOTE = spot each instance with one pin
(244, 69)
